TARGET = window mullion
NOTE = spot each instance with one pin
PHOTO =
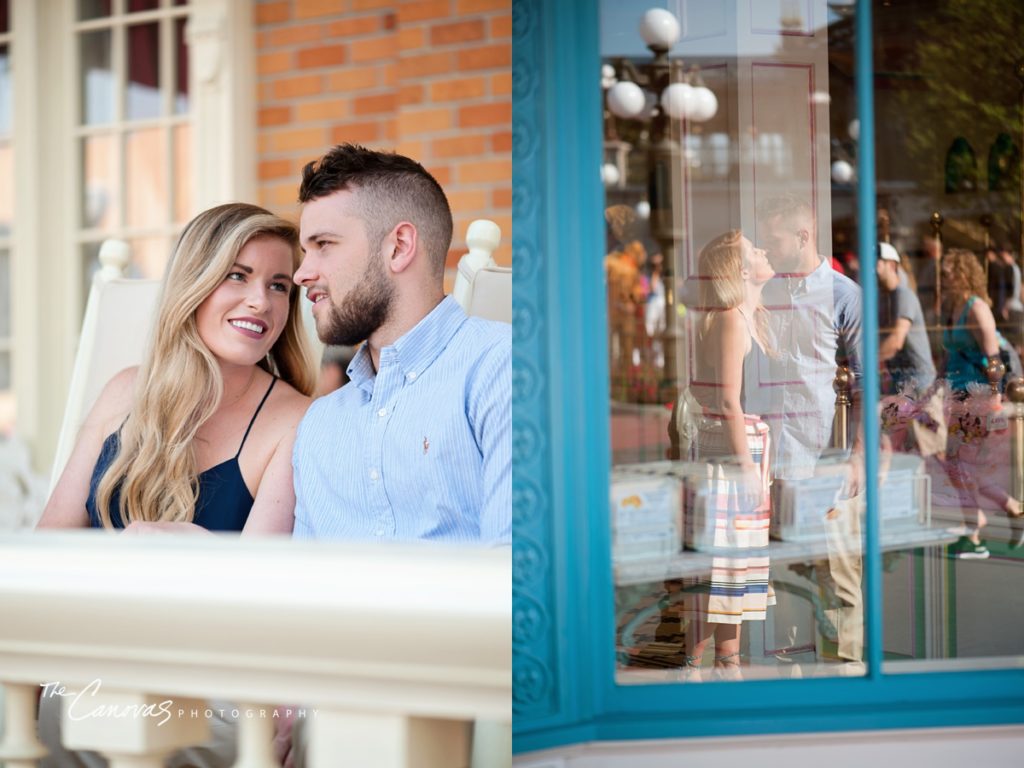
(166, 82)
(870, 386)
(120, 67)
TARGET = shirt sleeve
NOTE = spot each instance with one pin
(905, 305)
(491, 417)
(849, 351)
(301, 529)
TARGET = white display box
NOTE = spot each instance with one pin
(803, 504)
(646, 513)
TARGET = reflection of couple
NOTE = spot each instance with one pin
(206, 433)
(774, 368)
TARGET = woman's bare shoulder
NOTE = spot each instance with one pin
(728, 321)
(123, 382)
(980, 311)
(288, 404)
(115, 399)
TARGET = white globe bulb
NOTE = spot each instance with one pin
(842, 172)
(854, 129)
(610, 174)
(643, 210)
(659, 28)
(705, 104)
(625, 99)
(608, 78)
(678, 100)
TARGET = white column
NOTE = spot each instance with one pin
(20, 747)
(492, 745)
(386, 741)
(222, 89)
(46, 304)
(255, 738)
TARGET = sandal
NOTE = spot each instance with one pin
(727, 667)
(688, 673)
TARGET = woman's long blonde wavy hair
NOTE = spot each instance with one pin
(179, 385)
(720, 266)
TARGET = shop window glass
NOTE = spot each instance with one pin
(735, 343)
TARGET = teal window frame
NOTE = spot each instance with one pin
(563, 613)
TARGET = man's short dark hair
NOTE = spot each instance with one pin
(392, 188)
(787, 206)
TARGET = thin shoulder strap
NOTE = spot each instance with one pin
(252, 421)
(962, 320)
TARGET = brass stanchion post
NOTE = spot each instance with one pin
(936, 222)
(995, 370)
(1015, 394)
(843, 385)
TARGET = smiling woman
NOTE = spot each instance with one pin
(162, 449)
(250, 305)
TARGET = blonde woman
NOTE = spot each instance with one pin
(199, 436)
(732, 346)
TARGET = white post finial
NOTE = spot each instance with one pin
(482, 237)
(115, 256)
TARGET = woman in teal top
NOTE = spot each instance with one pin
(970, 340)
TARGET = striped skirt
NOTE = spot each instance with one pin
(738, 589)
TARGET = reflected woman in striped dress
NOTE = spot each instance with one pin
(733, 344)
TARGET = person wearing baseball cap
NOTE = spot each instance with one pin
(903, 347)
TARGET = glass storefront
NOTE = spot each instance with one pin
(736, 337)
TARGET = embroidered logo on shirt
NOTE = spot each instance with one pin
(426, 445)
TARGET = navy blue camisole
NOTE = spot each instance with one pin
(224, 501)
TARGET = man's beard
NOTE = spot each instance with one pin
(365, 308)
(784, 264)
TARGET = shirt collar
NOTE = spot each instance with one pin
(415, 350)
(817, 279)
(360, 370)
(821, 274)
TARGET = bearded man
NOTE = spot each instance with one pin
(418, 444)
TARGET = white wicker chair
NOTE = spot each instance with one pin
(115, 332)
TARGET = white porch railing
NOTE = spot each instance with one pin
(397, 648)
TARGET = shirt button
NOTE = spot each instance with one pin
(410, 376)
(373, 474)
(382, 412)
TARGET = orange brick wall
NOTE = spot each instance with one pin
(431, 79)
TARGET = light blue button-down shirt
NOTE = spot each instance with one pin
(421, 448)
(816, 323)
